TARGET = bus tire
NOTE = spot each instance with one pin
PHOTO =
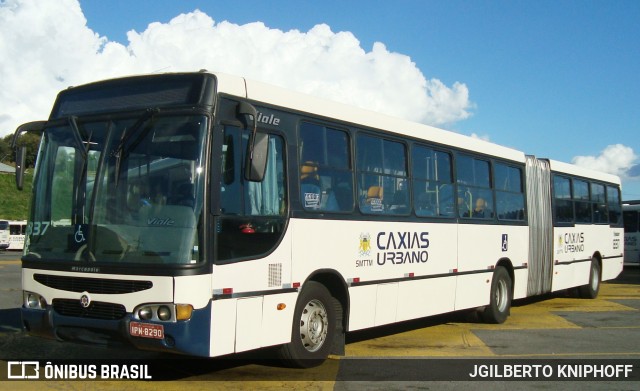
(314, 328)
(500, 302)
(590, 291)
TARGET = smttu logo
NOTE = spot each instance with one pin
(365, 244)
(23, 370)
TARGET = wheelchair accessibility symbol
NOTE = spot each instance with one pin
(505, 242)
(80, 236)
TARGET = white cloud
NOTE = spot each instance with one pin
(46, 46)
(484, 137)
(615, 159)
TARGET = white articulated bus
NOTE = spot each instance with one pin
(631, 216)
(207, 214)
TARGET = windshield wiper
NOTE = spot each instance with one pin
(121, 151)
(73, 124)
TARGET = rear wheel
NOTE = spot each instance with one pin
(590, 291)
(314, 328)
(500, 305)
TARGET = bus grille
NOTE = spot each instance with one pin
(96, 310)
(93, 285)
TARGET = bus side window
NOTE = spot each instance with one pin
(475, 195)
(252, 213)
(432, 183)
(326, 182)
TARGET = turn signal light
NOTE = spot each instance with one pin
(183, 311)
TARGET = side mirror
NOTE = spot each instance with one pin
(21, 152)
(21, 155)
(258, 147)
(257, 164)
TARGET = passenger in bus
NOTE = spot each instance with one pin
(480, 210)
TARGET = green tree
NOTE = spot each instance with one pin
(32, 141)
(5, 149)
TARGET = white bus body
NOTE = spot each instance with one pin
(17, 230)
(4, 234)
(402, 221)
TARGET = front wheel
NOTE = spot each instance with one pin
(500, 302)
(590, 291)
(314, 328)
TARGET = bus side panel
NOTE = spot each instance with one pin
(425, 297)
(473, 290)
(613, 262)
(277, 322)
(521, 277)
(223, 327)
(573, 249)
(611, 268)
(248, 323)
(363, 307)
(386, 303)
(480, 247)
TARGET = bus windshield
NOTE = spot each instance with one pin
(119, 190)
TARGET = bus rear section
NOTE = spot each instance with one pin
(4, 235)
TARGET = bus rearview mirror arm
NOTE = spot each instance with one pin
(21, 151)
(258, 146)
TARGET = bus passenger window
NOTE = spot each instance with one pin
(432, 183)
(326, 181)
(509, 192)
(475, 197)
(382, 176)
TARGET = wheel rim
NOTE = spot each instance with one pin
(595, 278)
(502, 296)
(314, 325)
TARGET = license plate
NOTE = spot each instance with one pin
(146, 330)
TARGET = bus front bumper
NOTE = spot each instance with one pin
(190, 337)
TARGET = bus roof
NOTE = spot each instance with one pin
(273, 95)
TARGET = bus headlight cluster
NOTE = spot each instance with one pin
(33, 300)
(164, 312)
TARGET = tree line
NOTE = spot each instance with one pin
(8, 155)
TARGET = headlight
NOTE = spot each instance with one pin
(145, 313)
(33, 300)
(164, 313)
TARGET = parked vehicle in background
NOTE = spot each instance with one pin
(17, 230)
(631, 213)
(4, 234)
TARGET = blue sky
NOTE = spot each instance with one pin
(557, 79)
